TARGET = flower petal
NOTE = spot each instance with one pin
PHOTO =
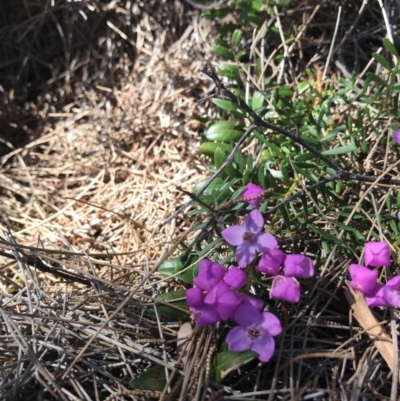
(271, 262)
(235, 277)
(205, 315)
(271, 324)
(254, 222)
(223, 299)
(376, 297)
(194, 297)
(376, 254)
(245, 254)
(249, 300)
(209, 275)
(250, 191)
(264, 347)
(238, 340)
(247, 315)
(285, 288)
(363, 279)
(391, 292)
(265, 242)
(234, 235)
(298, 266)
(396, 136)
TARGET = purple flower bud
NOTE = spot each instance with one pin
(376, 297)
(194, 297)
(391, 292)
(209, 275)
(285, 288)
(255, 302)
(396, 136)
(271, 261)
(252, 190)
(205, 315)
(298, 266)
(223, 299)
(235, 277)
(376, 254)
(362, 278)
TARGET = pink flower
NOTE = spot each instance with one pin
(376, 254)
(298, 266)
(235, 278)
(376, 297)
(209, 275)
(285, 288)
(223, 299)
(255, 331)
(396, 136)
(195, 297)
(248, 238)
(362, 278)
(271, 262)
(391, 292)
(250, 191)
(249, 300)
(205, 315)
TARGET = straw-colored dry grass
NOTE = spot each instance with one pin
(97, 131)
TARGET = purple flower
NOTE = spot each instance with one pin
(362, 278)
(376, 297)
(376, 254)
(255, 331)
(250, 191)
(255, 302)
(205, 315)
(195, 297)
(396, 136)
(223, 299)
(285, 288)
(209, 275)
(298, 266)
(248, 238)
(271, 262)
(391, 292)
(235, 277)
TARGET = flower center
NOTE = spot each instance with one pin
(253, 333)
(247, 236)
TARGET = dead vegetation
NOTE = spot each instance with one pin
(96, 131)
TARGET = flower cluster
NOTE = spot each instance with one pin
(216, 295)
(364, 279)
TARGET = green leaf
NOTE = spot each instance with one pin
(333, 133)
(285, 91)
(220, 158)
(172, 268)
(340, 150)
(230, 71)
(227, 105)
(208, 148)
(239, 54)
(236, 36)
(152, 379)
(171, 314)
(224, 131)
(223, 52)
(223, 362)
(389, 45)
(382, 61)
(376, 79)
(257, 100)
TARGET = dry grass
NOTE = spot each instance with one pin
(92, 154)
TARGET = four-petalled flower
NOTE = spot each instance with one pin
(249, 238)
